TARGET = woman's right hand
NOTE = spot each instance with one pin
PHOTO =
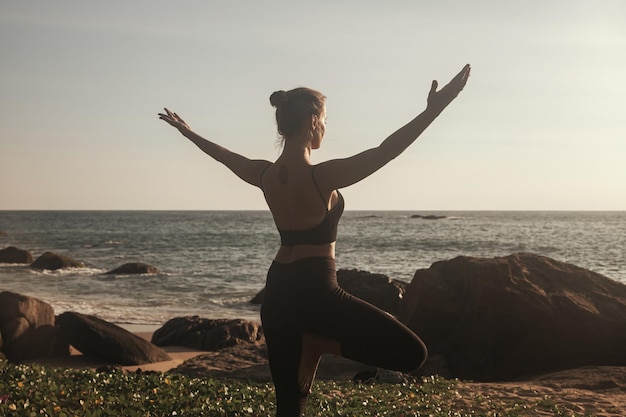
(174, 120)
(439, 100)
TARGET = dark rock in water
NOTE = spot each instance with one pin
(207, 334)
(377, 289)
(52, 261)
(429, 217)
(502, 318)
(27, 328)
(134, 268)
(13, 255)
(98, 338)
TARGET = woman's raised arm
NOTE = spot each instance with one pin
(339, 173)
(249, 170)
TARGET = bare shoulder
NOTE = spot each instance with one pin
(251, 171)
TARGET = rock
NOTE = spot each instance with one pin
(134, 268)
(245, 361)
(95, 337)
(27, 328)
(13, 255)
(51, 261)
(249, 362)
(208, 334)
(377, 289)
(429, 217)
(496, 319)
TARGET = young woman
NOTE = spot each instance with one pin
(304, 313)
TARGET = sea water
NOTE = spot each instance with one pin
(213, 262)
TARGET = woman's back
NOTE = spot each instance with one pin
(306, 216)
(294, 197)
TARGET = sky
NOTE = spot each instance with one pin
(541, 124)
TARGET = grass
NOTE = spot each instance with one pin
(32, 390)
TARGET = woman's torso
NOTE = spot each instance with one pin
(304, 213)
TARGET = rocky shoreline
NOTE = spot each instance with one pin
(522, 325)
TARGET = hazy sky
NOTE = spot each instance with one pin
(541, 124)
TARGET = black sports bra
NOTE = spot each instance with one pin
(324, 232)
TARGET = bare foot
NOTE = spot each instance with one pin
(313, 347)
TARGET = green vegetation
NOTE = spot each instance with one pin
(32, 390)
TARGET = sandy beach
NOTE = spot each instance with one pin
(595, 391)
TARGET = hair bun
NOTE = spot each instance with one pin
(278, 98)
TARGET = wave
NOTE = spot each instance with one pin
(83, 271)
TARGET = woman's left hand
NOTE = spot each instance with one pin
(439, 100)
(174, 120)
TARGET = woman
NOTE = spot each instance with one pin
(304, 313)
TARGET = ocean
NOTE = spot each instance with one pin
(213, 262)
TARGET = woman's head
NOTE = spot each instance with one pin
(295, 110)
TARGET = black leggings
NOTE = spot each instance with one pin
(303, 297)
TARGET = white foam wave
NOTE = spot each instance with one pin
(7, 266)
(86, 271)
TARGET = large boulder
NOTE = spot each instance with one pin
(502, 318)
(27, 328)
(13, 255)
(208, 334)
(377, 289)
(52, 261)
(134, 268)
(98, 338)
